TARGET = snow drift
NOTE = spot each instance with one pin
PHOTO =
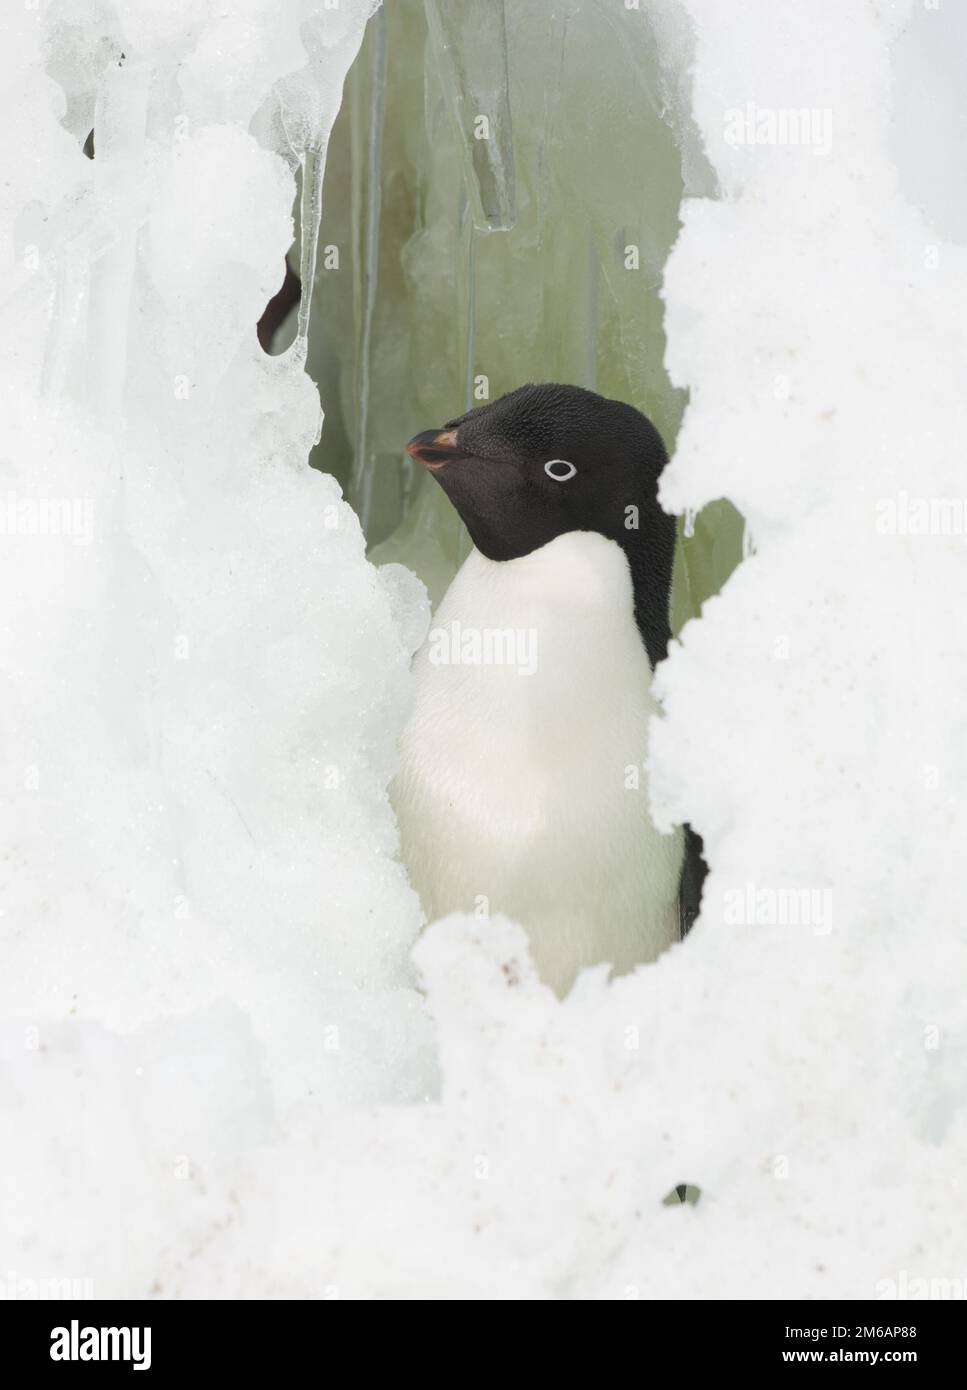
(223, 1071)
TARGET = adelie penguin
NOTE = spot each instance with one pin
(533, 691)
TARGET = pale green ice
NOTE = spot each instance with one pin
(502, 189)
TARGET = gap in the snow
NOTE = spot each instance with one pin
(453, 268)
(280, 308)
(682, 1194)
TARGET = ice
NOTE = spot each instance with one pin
(364, 475)
(224, 1068)
(823, 754)
(470, 50)
(203, 920)
(535, 254)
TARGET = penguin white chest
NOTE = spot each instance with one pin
(522, 785)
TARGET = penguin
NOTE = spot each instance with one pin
(522, 784)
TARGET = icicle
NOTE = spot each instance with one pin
(591, 337)
(470, 47)
(689, 526)
(66, 317)
(313, 161)
(361, 482)
(119, 121)
(471, 313)
(464, 543)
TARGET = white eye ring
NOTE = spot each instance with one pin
(559, 477)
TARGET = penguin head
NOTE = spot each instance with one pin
(544, 460)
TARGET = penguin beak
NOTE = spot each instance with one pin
(434, 448)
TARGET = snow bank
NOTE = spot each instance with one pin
(203, 922)
(217, 1076)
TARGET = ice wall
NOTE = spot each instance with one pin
(210, 1020)
(202, 920)
(502, 191)
(812, 730)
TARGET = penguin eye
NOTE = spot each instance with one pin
(560, 470)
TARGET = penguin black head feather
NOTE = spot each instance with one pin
(548, 459)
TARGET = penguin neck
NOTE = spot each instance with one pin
(650, 550)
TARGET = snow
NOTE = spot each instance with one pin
(229, 1065)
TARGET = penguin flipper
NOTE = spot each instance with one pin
(694, 870)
